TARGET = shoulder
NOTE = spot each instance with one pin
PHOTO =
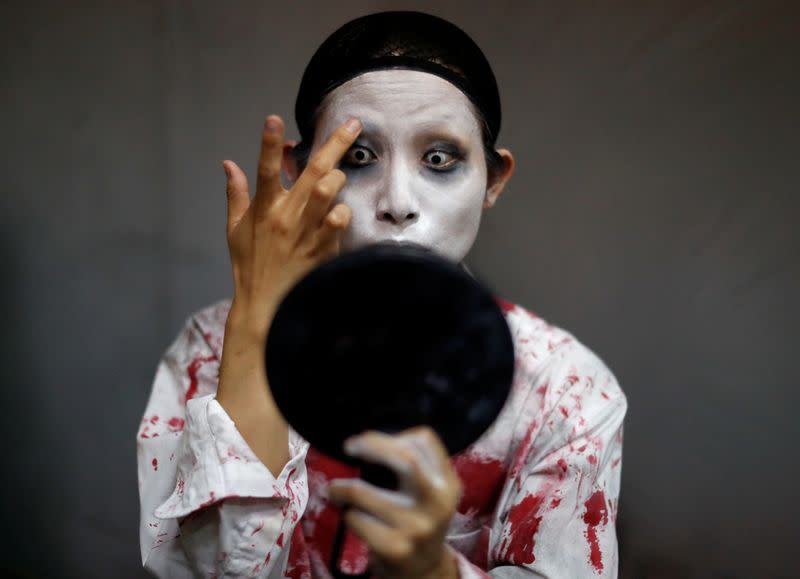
(556, 372)
(206, 326)
(564, 396)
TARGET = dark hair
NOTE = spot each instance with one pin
(405, 40)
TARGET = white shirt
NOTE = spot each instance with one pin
(541, 486)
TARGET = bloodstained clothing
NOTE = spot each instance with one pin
(540, 487)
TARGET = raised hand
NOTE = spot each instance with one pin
(279, 235)
(274, 239)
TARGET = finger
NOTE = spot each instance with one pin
(381, 539)
(268, 184)
(335, 222)
(394, 508)
(389, 451)
(324, 161)
(237, 193)
(425, 439)
(434, 459)
(322, 195)
(416, 466)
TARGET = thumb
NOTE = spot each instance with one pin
(238, 195)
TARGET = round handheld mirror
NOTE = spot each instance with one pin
(386, 338)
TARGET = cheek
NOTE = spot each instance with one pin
(360, 195)
(457, 199)
(454, 208)
(359, 190)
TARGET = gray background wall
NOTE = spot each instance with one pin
(653, 214)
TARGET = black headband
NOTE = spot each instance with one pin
(407, 40)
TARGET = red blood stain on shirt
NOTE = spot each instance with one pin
(212, 498)
(258, 528)
(155, 464)
(192, 369)
(564, 411)
(592, 459)
(596, 514)
(562, 468)
(480, 554)
(299, 564)
(175, 424)
(509, 307)
(279, 542)
(289, 476)
(482, 480)
(554, 503)
(506, 306)
(355, 555)
(523, 522)
(542, 392)
(154, 419)
(321, 526)
(522, 454)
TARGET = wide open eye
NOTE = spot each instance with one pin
(358, 156)
(440, 160)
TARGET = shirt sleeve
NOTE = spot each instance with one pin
(209, 506)
(557, 515)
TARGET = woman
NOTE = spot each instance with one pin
(398, 113)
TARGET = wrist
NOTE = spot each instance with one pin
(242, 380)
(447, 568)
(248, 323)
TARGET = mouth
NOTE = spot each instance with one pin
(390, 239)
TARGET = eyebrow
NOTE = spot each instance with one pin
(435, 129)
(444, 132)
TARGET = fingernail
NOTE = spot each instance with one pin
(226, 169)
(272, 125)
(352, 446)
(353, 125)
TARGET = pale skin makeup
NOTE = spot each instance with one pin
(417, 171)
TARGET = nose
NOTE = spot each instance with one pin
(397, 205)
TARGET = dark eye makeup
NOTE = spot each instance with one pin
(440, 158)
(358, 156)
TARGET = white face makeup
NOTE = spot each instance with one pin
(417, 172)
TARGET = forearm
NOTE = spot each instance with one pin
(244, 393)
